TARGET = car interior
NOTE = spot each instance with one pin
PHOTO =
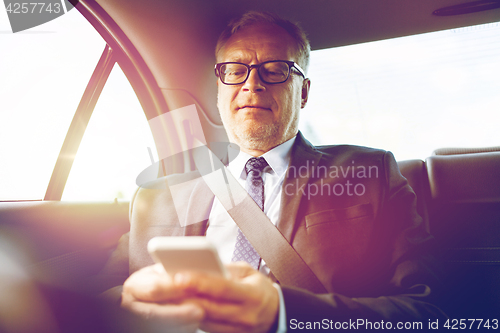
(166, 51)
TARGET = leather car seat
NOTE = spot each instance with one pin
(464, 217)
(459, 151)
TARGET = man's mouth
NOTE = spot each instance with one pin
(254, 107)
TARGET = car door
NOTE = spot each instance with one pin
(74, 138)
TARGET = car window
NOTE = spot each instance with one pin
(410, 95)
(44, 72)
(114, 149)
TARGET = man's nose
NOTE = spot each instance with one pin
(253, 83)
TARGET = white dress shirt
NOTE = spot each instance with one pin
(222, 230)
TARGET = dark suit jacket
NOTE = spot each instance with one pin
(346, 210)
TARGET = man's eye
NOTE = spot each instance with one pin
(235, 73)
(274, 73)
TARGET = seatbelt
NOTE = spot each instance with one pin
(281, 258)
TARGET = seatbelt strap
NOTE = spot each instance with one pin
(281, 258)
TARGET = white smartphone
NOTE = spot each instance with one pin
(193, 253)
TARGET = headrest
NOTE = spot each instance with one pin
(465, 178)
(459, 151)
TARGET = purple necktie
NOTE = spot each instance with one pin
(254, 185)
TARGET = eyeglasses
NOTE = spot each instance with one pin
(271, 72)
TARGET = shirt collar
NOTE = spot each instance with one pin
(278, 159)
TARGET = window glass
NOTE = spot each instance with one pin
(44, 72)
(410, 95)
(114, 148)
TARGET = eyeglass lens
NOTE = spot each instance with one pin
(271, 72)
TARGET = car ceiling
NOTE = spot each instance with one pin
(331, 23)
(177, 38)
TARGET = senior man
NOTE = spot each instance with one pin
(365, 244)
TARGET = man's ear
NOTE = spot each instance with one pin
(306, 85)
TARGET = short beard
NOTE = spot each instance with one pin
(259, 138)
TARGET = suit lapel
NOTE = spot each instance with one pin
(303, 157)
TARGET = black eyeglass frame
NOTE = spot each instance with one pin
(291, 64)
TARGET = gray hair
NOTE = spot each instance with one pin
(302, 46)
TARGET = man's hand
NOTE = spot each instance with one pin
(151, 294)
(247, 302)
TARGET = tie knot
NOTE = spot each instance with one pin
(257, 164)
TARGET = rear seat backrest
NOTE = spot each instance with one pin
(464, 216)
(458, 151)
(465, 178)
